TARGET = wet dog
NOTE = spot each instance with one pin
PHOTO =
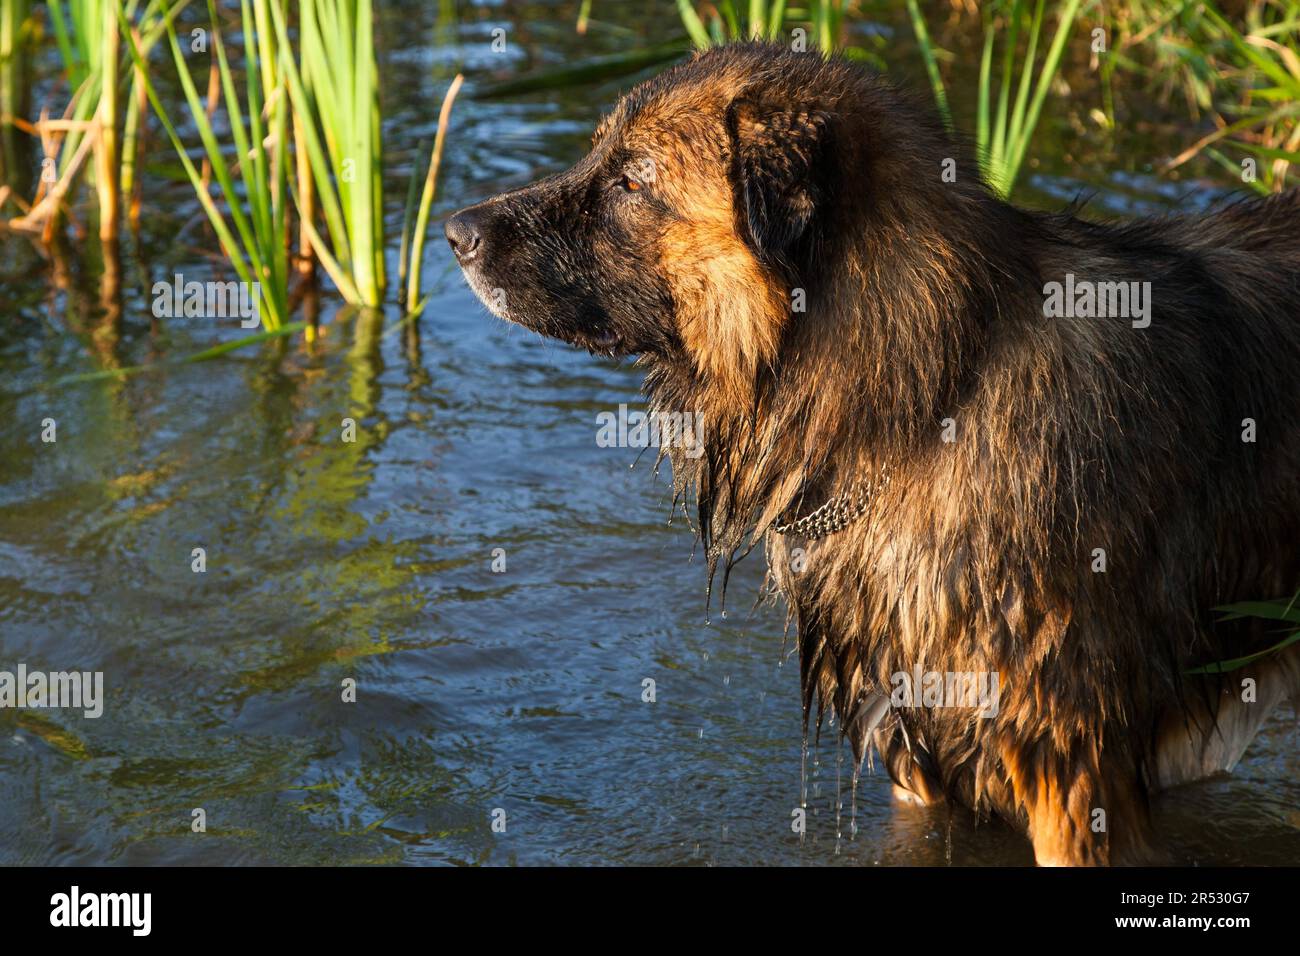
(1025, 449)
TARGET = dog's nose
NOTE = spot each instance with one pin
(465, 235)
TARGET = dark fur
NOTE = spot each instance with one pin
(776, 171)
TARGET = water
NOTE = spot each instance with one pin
(476, 691)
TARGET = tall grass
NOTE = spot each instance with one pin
(335, 96)
(15, 31)
(87, 36)
(1256, 96)
(324, 100)
(253, 238)
(413, 236)
(1003, 132)
(1161, 47)
(762, 20)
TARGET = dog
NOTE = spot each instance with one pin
(973, 439)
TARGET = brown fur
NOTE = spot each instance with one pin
(782, 173)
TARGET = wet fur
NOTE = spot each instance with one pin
(778, 171)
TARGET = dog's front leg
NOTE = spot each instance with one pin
(1082, 810)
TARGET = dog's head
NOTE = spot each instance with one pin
(682, 233)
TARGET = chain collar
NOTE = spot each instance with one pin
(837, 513)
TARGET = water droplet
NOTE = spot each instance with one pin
(803, 772)
(839, 797)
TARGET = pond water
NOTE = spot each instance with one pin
(477, 690)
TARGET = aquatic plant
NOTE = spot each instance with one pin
(415, 227)
(1283, 612)
(254, 237)
(1003, 132)
(770, 20)
(1255, 99)
(334, 93)
(15, 31)
(88, 37)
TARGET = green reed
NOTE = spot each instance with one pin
(762, 20)
(87, 36)
(1004, 131)
(254, 236)
(1261, 67)
(335, 97)
(1285, 613)
(15, 34)
(417, 225)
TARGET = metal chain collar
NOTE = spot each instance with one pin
(837, 513)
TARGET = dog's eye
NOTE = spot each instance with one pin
(628, 184)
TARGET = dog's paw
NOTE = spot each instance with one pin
(908, 798)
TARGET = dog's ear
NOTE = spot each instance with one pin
(777, 159)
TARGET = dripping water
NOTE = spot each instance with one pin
(839, 795)
(803, 782)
